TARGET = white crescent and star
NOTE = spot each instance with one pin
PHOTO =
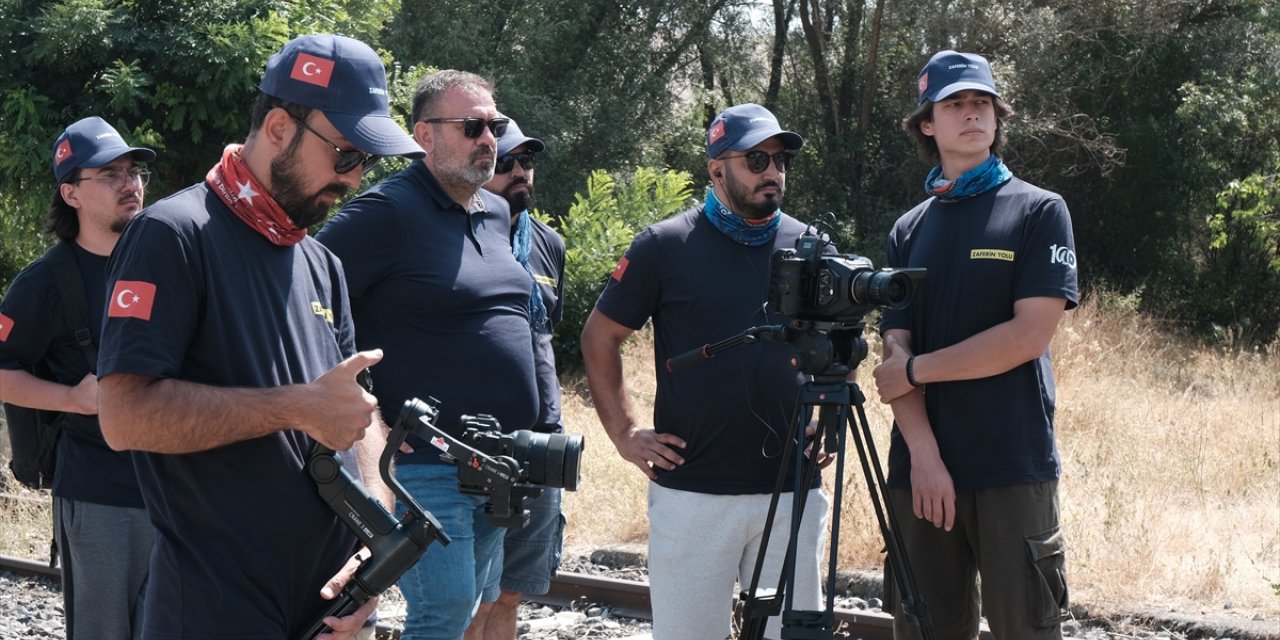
(120, 298)
(311, 69)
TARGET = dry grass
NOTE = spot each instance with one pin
(1171, 466)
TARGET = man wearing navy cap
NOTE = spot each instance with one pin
(531, 554)
(228, 351)
(102, 531)
(967, 373)
(715, 448)
(434, 283)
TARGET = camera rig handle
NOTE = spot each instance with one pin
(394, 546)
(706, 351)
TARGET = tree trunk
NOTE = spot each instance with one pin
(810, 20)
(782, 10)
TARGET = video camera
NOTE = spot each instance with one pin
(807, 283)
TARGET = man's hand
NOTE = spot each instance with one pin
(647, 449)
(346, 626)
(891, 375)
(933, 496)
(84, 396)
(340, 409)
(824, 458)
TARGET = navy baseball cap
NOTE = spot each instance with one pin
(514, 137)
(744, 126)
(343, 78)
(949, 72)
(91, 143)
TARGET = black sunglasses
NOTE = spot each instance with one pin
(347, 160)
(758, 161)
(508, 162)
(473, 127)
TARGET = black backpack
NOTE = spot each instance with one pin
(34, 433)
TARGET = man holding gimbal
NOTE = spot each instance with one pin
(715, 448)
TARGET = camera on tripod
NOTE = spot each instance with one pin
(808, 284)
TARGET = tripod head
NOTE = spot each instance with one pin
(825, 350)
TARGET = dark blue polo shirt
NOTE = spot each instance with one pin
(701, 287)
(435, 287)
(243, 543)
(87, 469)
(983, 254)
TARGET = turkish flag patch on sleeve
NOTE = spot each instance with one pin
(132, 299)
(6, 325)
(620, 269)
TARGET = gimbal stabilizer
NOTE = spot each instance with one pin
(395, 546)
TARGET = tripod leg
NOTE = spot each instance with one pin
(913, 605)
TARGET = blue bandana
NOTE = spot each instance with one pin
(976, 181)
(751, 233)
(521, 244)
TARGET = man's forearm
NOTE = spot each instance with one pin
(25, 390)
(165, 415)
(994, 351)
(368, 456)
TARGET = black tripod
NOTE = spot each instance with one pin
(826, 352)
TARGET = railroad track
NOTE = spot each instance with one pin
(625, 598)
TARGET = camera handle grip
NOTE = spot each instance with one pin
(706, 351)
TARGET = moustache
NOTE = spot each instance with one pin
(769, 184)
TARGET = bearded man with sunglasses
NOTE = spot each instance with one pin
(101, 529)
(228, 353)
(433, 282)
(714, 451)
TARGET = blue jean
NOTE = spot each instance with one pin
(443, 589)
(530, 555)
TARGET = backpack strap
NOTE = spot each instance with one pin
(62, 260)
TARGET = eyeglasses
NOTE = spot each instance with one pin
(117, 179)
(758, 161)
(508, 162)
(347, 160)
(473, 127)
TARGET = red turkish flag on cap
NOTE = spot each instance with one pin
(132, 299)
(717, 130)
(312, 70)
(63, 152)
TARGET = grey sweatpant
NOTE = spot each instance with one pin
(106, 552)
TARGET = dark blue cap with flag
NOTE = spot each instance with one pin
(91, 142)
(949, 71)
(744, 126)
(343, 78)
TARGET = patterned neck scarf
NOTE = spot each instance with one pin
(521, 245)
(976, 181)
(751, 233)
(243, 194)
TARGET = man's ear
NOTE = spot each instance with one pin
(423, 132)
(69, 194)
(277, 129)
(926, 127)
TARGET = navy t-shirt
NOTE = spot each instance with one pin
(243, 541)
(546, 260)
(700, 287)
(983, 254)
(436, 288)
(87, 469)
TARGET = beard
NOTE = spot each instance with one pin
(447, 169)
(519, 200)
(741, 199)
(287, 189)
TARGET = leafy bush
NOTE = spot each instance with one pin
(598, 229)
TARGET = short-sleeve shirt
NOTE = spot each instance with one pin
(983, 254)
(700, 287)
(546, 260)
(435, 286)
(244, 542)
(87, 469)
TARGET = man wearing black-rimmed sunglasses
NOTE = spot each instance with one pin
(101, 528)
(714, 450)
(433, 281)
(228, 353)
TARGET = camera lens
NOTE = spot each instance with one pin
(551, 459)
(885, 288)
